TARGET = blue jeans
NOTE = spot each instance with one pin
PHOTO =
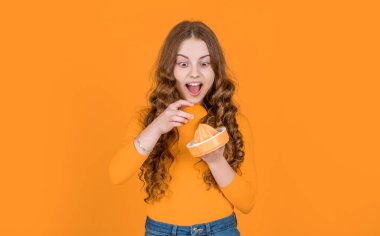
(226, 226)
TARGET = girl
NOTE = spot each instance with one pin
(189, 195)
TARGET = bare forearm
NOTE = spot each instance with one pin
(222, 172)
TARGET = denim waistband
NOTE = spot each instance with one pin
(197, 229)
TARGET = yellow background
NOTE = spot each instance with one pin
(73, 71)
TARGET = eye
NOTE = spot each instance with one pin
(181, 63)
(205, 64)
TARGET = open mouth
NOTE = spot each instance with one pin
(194, 88)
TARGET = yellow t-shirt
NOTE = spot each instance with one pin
(188, 201)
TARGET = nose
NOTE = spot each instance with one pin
(194, 72)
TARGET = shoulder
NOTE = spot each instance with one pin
(244, 125)
(242, 120)
(136, 119)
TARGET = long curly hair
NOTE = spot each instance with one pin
(218, 102)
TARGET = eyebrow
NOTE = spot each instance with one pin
(188, 57)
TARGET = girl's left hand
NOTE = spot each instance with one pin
(214, 155)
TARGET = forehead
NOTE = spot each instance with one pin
(193, 48)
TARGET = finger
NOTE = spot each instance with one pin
(185, 114)
(176, 123)
(176, 105)
(179, 119)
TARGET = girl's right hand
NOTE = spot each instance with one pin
(172, 117)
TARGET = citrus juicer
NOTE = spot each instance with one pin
(206, 138)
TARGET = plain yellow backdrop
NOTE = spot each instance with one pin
(73, 71)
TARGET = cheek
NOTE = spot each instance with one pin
(178, 85)
(178, 73)
(209, 74)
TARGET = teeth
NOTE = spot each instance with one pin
(194, 84)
